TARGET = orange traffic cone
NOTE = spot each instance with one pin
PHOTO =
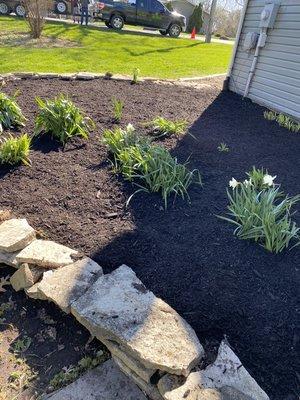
(193, 35)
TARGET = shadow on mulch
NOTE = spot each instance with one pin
(185, 255)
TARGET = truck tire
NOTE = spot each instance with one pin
(61, 7)
(20, 10)
(117, 22)
(174, 30)
(164, 33)
(4, 9)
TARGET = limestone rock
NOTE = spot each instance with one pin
(9, 259)
(25, 277)
(34, 293)
(15, 234)
(85, 76)
(135, 365)
(65, 285)
(119, 307)
(148, 388)
(47, 254)
(105, 382)
(226, 371)
(5, 214)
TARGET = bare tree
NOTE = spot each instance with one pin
(36, 11)
(210, 21)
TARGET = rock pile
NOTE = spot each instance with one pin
(148, 340)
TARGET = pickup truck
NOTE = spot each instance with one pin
(149, 13)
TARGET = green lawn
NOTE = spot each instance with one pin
(94, 50)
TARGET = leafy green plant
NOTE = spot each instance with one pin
(15, 150)
(11, 115)
(151, 167)
(61, 119)
(118, 106)
(162, 127)
(223, 148)
(262, 213)
(135, 75)
(283, 120)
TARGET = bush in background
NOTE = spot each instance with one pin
(196, 19)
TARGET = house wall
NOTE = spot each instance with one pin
(276, 82)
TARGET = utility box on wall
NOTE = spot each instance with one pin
(275, 81)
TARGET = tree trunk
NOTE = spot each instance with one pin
(210, 21)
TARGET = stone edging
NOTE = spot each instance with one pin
(88, 76)
(148, 340)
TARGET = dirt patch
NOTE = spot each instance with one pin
(24, 39)
(185, 255)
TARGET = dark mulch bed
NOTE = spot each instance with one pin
(185, 255)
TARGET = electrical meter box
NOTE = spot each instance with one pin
(250, 41)
(268, 14)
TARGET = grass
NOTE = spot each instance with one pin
(100, 51)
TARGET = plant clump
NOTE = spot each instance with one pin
(62, 119)
(15, 150)
(162, 127)
(283, 120)
(11, 115)
(118, 106)
(261, 212)
(152, 167)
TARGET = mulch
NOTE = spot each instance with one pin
(185, 254)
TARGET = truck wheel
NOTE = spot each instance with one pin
(174, 30)
(61, 7)
(164, 33)
(4, 9)
(117, 22)
(20, 10)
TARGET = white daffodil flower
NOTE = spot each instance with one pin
(247, 182)
(233, 183)
(130, 128)
(268, 180)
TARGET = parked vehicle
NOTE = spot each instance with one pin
(149, 13)
(9, 6)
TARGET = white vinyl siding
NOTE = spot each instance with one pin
(276, 81)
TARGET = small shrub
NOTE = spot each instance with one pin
(223, 148)
(11, 115)
(283, 120)
(261, 212)
(153, 167)
(108, 75)
(163, 127)
(135, 75)
(62, 120)
(118, 106)
(15, 150)
(36, 13)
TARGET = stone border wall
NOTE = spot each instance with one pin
(148, 340)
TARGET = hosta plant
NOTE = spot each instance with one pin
(15, 150)
(62, 119)
(162, 127)
(261, 212)
(11, 115)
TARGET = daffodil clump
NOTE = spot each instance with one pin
(261, 212)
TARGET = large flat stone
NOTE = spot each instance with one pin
(9, 259)
(15, 234)
(47, 254)
(65, 285)
(105, 382)
(25, 277)
(135, 365)
(148, 388)
(118, 307)
(227, 371)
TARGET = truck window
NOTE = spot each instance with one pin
(156, 6)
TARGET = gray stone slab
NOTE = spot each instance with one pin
(15, 234)
(47, 254)
(9, 259)
(105, 382)
(65, 285)
(118, 307)
(226, 371)
(25, 277)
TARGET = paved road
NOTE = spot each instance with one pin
(147, 31)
